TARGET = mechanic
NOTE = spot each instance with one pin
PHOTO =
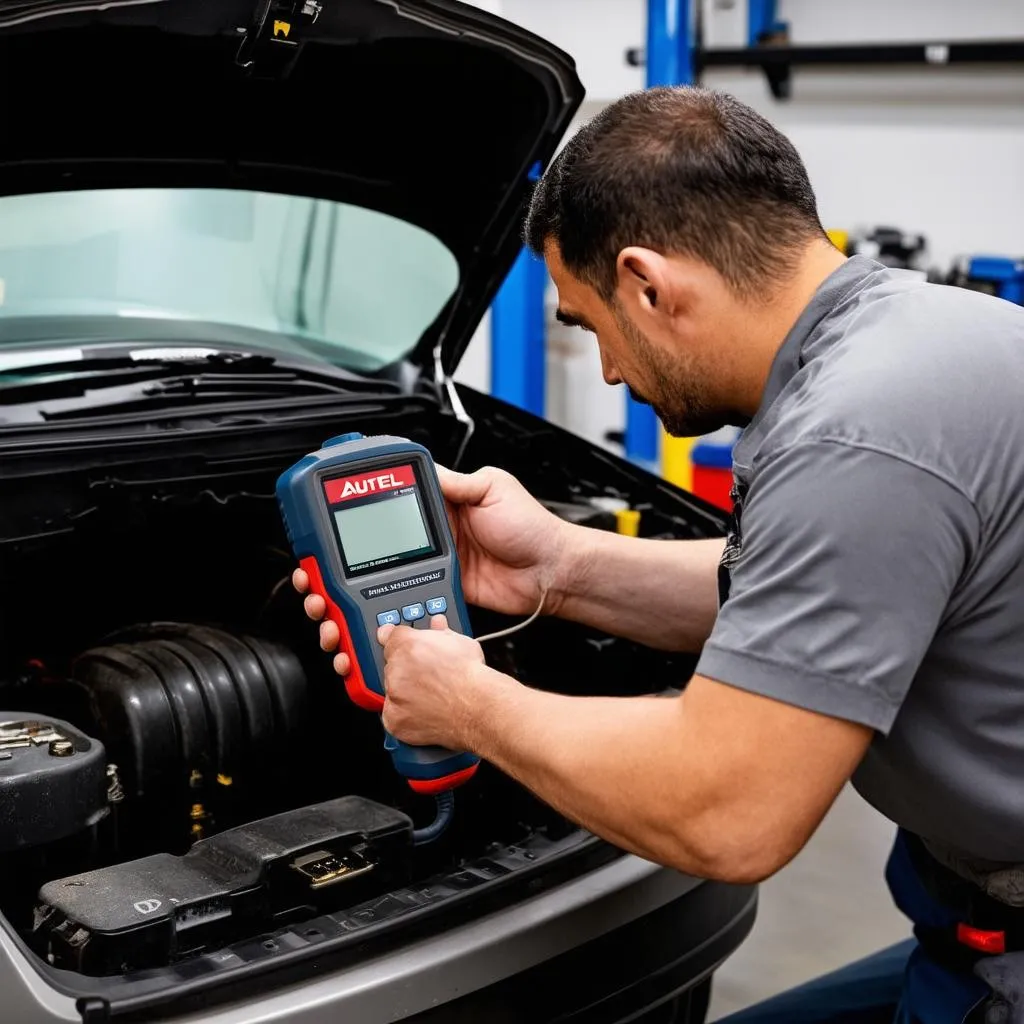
(864, 618)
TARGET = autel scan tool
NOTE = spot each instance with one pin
(366, 519)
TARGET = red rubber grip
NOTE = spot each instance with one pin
(355, 686)
(431, 787)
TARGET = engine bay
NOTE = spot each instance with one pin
(181, 771)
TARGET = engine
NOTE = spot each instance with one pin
(198, 781)
(164, 820)
(198, 725)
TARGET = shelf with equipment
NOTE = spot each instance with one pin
(770, 49)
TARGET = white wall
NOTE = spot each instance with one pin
(596, 33)
(931, 150)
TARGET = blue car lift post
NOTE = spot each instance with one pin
(518, 370)
(667, 61)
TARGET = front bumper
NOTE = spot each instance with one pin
(572, 930)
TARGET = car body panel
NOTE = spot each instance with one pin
(423, 974)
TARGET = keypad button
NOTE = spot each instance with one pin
(412, 612)
(391, 618)
(436, 606)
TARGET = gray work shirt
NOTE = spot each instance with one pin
(876, 573)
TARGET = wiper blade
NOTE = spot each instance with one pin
(82, 362)
(239, 384)
(165, 375)
(215, 395)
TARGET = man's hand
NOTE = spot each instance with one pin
(433, 693)
(511, 549)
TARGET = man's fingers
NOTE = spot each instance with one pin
(464, 488)
(387, 637)
(316, 607)
(342, 664)
(300, 580)
(329, 635)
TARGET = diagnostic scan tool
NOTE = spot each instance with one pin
(366, 519)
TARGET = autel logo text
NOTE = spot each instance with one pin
(359, 486)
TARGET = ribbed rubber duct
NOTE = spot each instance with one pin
(192, 713)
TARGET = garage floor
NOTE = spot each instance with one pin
(827, 908)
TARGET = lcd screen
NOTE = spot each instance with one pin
(380, 532)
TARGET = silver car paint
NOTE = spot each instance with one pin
(419, 976)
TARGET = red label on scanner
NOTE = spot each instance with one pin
(345, 488)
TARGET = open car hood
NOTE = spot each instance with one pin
(427, 110)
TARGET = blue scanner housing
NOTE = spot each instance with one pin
(366, 519)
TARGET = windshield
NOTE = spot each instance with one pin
(352, 285)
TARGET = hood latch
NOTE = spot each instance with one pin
(273, 40)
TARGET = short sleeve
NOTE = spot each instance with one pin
(848, 562)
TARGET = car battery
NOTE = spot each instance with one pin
(53, 781)
(160, 909)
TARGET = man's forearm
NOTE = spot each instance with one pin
(662, 593)
(608, 764)
(698, 782)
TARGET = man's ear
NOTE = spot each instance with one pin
(643, 285)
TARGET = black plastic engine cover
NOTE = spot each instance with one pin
(159, 909)
(201, 722)
(53, 781)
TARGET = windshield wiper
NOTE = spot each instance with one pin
(119, 379)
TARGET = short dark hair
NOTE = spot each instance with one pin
(686, 171)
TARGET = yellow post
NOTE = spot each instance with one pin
(676, 466)
(627, 521)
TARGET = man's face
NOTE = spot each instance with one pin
(670, 361)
